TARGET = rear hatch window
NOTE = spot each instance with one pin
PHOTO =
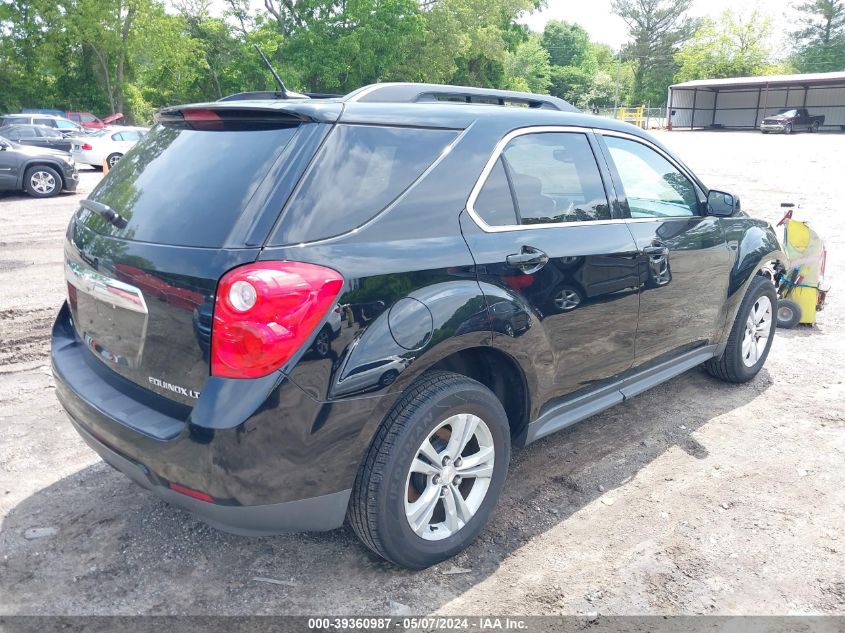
(186, 186)
(358, 173)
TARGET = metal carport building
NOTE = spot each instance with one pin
(742, 102)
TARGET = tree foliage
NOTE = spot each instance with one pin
(731, 47)
(656, 28)
(137, 55)
(820, 38)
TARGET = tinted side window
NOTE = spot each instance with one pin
(359, 171)
(48, 133)
(653, 186)
(15, 134)
(494, 203)
(47, 122)
(64, 125)
(555, 178)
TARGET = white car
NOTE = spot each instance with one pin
(108, 144)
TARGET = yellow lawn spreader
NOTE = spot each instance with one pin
(801, 286)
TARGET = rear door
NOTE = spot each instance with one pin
(559, 272)
(682, 253)
(9, 160)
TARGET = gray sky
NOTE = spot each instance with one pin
(596, 17)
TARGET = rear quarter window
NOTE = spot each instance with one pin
(357, 174)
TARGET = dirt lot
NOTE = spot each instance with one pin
(696, 497)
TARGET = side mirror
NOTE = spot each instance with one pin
(722, 204)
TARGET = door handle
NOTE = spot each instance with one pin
(656, 250)
(529, 260)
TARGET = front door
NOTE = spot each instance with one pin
(682, 252)
(9, 160)
(559, 273)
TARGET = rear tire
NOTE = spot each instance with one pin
(815, 127)
(113, 159)
(751, 335)
(789, 314)
(400, 508)
(42, 182)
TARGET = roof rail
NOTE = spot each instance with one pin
(429, 93)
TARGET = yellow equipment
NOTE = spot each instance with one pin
(635, 116)
(802, 281)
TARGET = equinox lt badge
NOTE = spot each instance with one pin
(174, 388)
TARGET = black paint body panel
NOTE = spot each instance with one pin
(422, 282)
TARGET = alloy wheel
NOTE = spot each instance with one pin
(758, 328)
(567, 299)
(43, 182)
(449, 477)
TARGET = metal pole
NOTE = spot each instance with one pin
(757, 109)
(669, 111)
(694, 98)
(715, 101)
(766, 102)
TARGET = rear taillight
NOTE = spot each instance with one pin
(87, 147)
(266, 311)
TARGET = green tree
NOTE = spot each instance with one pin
(731, 47)
(528, 68)
(568, 44)
(656, 28)
(820, 40)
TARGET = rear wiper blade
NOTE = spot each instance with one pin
(105, 211)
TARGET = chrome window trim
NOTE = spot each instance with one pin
(542, 129)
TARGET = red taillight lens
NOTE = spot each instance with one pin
(264, 312)
(87, 147)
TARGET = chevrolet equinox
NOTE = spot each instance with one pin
(284, 314)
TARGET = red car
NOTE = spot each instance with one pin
(88, 120)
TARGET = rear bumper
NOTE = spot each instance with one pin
(87, 158)
(273, 460)
(303, 515)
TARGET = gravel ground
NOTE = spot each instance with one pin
(696, 497)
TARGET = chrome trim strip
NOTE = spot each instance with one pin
(105, 289)
(540, 129)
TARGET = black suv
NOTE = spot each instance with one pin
(287, 313)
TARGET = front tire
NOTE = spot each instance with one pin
(433, 473)
(788, 128)
(751, 335)
(42, 182)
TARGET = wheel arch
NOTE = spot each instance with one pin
(740, 281)
(40, 162)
